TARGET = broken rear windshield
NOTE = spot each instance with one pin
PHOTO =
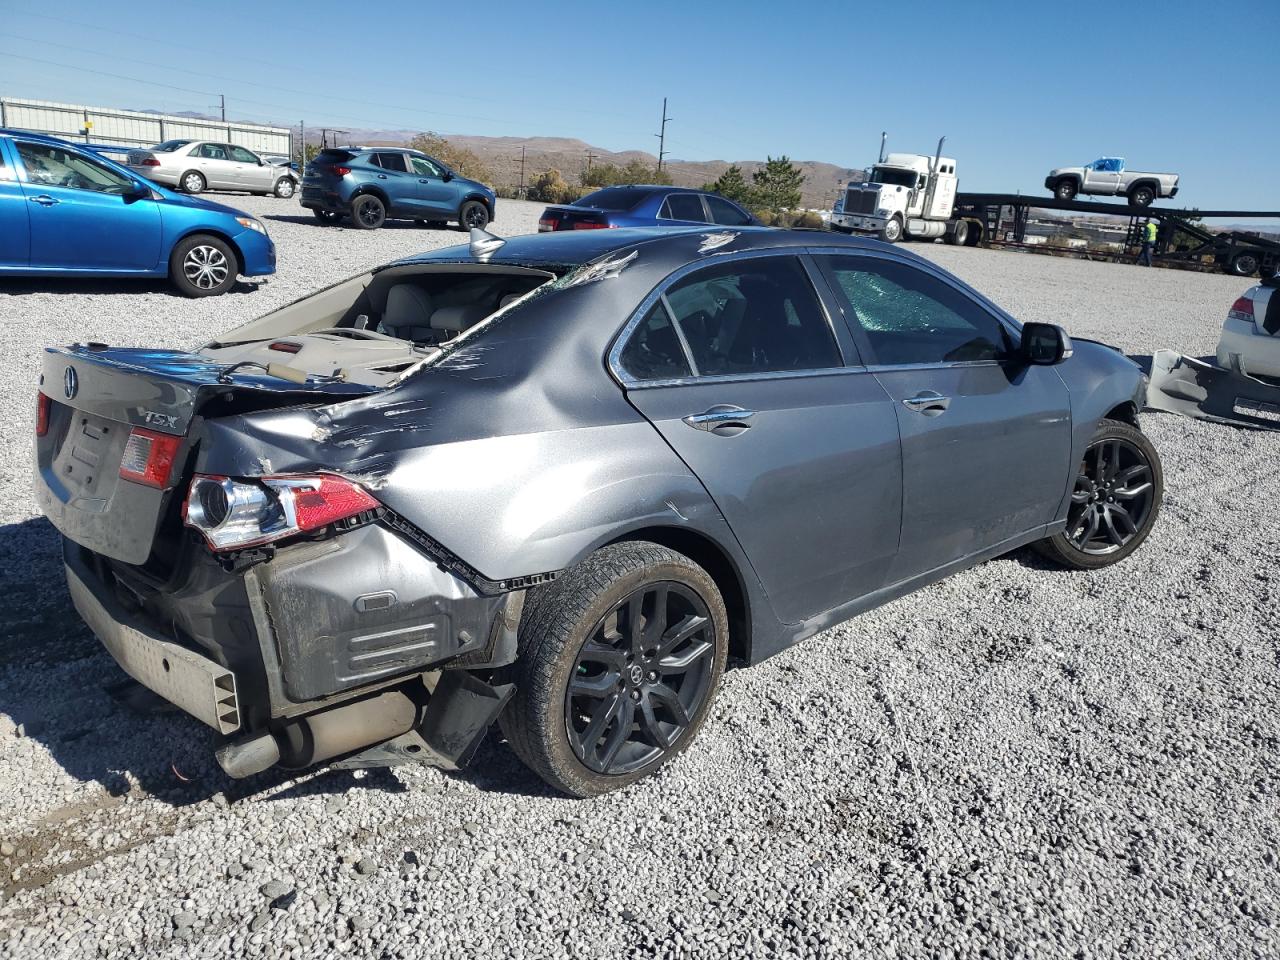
(616, 199)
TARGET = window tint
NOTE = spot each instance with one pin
(616, 199)
(169, 146)
(752, 316)
(912, 317)
(722, 211)
(391, 161)
(48, 165)
(654, 351)
(212, 151)
(683, 206)
(425, 168)
(241, 155)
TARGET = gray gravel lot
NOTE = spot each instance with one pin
(1016, 762)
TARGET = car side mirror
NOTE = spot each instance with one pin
(139, 191)
(1044, 344)
(446, 176)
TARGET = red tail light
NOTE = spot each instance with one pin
(234, 514)
(150, 162)
(547, 224)
(341, 171)
(148, 457)
(1242, 309)
(42, 414)
(584, 225)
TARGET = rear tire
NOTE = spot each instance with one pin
(1142, 195)
(285, 188)
(327, 217)
(598, 706)
(959, 235)
(1244, 264)
(1115, 500)
(193, 182)
(368, 212)
(1066, 189)
(473, 215)
(203, 266)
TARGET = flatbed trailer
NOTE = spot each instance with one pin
(1000, 219)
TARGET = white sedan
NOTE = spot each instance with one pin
(194, 166)
(1251, 333)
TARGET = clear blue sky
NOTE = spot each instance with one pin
(1017, 88)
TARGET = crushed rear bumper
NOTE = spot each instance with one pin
(1193, 388)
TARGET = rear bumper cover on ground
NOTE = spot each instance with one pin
(1193, 388)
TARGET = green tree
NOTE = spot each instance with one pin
(633, 171)
(777, 184)
(459, 159)
(732, 185)
(550, 187)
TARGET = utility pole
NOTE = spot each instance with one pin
(662, 135)
(223, 98)
(302, 144)
(590, 156)
(520, 190)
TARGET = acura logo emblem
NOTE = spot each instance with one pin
(70, 382)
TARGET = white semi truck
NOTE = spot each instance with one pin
(906, 196)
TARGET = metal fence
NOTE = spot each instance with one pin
(130, 128)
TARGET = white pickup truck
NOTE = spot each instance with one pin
(1107, 177)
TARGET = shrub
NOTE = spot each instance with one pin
(460, 159)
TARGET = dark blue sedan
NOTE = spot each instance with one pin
(640, 205)
(67, 211)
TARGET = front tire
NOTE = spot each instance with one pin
(285, 188)
(474, 215)
(368, 212)
(619, 661)
(203, 266)
(1115, 500)
(193, 182)
(891, 232)
(1066, 189)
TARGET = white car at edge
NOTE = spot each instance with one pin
(1250, 339)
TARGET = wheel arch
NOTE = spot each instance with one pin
(706, 553)
(475, 195)
(1151, 182)
(209, 232)
(366, 189)
(1126, 412)
(1072, 177)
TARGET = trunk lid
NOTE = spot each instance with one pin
(569, 217)
(99, 396)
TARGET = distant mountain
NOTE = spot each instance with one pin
(569, 155)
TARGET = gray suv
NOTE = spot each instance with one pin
(198, 165)
(560, 481)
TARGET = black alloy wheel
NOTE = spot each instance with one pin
(1142, 196)
(368, 212)
(474, 215)
(619, 659)
(1065, 190)
(1113, 495)
(644, 672)
(1115, 499)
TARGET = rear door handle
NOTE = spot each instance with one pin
(45, 200)
(928, 403)
(724, 420)
(382, 176)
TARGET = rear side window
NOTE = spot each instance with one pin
(169, 146)
(212, 151)
(615, 199)
(683, 206)
(910, 316)
(759, 315)
(654, 351)
(722, 211)
(391, 161)
(330, 157)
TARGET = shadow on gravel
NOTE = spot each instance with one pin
(72, 286)
(388, 225)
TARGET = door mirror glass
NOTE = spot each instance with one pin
(1044, 344)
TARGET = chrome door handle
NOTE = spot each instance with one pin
(929, 403)
(382, 176)
(45, 200)
(723, 420)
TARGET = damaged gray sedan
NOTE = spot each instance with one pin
(559, 482)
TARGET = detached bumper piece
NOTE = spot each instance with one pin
(1192, 388)
(194, 683)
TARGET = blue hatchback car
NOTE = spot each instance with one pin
(374, 184)
(66, 210)
(641, 205)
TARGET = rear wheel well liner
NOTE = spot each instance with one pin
(709, 555)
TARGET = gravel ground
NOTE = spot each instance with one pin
(1015, 762)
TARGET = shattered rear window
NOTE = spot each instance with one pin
(614, 199)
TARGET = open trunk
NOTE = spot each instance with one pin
(117, 427)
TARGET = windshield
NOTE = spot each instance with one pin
(893, 176)
(169, 146)
(617, 199)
